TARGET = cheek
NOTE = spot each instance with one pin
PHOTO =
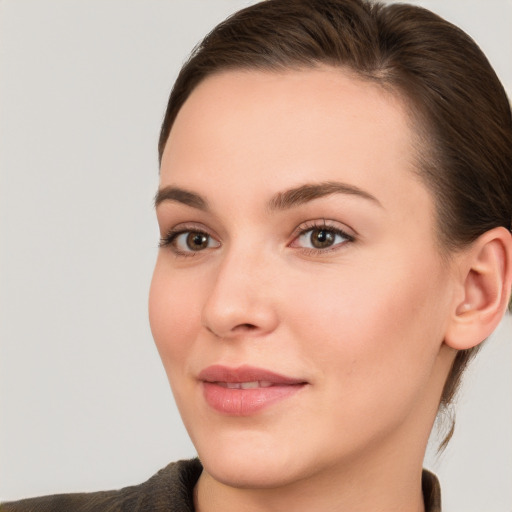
(174, 315)
(374, 333)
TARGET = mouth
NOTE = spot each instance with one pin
(245, 385)
(245, 390)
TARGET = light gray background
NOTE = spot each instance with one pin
(84, 402)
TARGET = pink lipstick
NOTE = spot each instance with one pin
(245, 390)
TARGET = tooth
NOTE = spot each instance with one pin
(265, 384)
(250, 385)
(233, 385)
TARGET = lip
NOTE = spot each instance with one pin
(223, 391)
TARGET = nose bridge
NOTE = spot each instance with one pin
(240, 300)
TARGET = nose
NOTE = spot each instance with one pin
(240, 302)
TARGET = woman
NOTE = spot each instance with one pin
(334, 209)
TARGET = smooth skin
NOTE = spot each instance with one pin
(346, 289)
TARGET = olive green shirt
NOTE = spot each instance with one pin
(170, 490)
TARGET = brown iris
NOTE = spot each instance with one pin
(197, 241)
(321, 238)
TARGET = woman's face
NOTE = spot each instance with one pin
(299, 300)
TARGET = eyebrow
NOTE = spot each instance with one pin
(310, 191)
(281, 201)
(180, 195)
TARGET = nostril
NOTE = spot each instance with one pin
(245, 327)
(241, 328)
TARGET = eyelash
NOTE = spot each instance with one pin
(169, 239)
(322, 224)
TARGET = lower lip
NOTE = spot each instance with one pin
(244, 402)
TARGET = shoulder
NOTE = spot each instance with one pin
(169, 490)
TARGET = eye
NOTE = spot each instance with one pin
(321, 238)
(189, 242)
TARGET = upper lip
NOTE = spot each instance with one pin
(245, 373)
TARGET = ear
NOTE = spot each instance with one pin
(485, 282)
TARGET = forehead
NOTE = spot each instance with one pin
(281, 129)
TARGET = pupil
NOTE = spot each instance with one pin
(197, 241)
(322, 238)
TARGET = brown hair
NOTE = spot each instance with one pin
(459, 106)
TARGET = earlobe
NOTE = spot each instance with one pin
(486, 277)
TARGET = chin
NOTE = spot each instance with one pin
(246, 472)
(251, 460)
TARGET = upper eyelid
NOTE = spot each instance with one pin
(183, 227)
(327, 224)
